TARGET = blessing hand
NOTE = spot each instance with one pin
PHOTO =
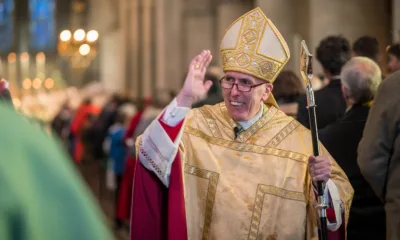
(195, 88)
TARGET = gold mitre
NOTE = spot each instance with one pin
(254, 46)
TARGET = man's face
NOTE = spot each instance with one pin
(241, 105)
(394, 63)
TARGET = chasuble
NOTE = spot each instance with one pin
(253, 186)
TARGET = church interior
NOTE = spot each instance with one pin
(60, 55)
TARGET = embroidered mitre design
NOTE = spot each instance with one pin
(252, 45)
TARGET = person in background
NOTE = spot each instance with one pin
(360, 80)
(393, 52)
(5, 95)
(77, 123)
(103, 122)
(287, 88)
(379, 151)
(366, 46)
(114, 147)
(124, 198)
(62, 120)
(333, 52)
(41, 194)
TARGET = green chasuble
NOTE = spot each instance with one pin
(42, 197)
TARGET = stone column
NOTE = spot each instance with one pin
(352, 19)
(396, 20)
(132, 48)
(160, 38)
(174, 64)
(146, 48)
(108, 19)
(199, 30)
(284, 15)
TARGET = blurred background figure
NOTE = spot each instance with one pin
(116, 151)
(287, 88)
(366, 46)
(332, 53)
(5, 95)
(84, 115)
(60, 124)
(42, 196)
(123, 201)
(379, 151)
(360, 79)
(394, 57)
(102, 124)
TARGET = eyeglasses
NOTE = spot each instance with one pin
(243, 87)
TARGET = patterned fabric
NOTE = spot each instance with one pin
(254, 46)
(254, 186)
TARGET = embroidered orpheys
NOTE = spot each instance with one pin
(211, 191)
(244, 147)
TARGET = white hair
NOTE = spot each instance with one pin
(361, 77)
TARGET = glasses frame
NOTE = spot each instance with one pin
(237, 85)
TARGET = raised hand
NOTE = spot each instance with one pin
(195, 88)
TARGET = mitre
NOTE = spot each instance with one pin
(254, 46)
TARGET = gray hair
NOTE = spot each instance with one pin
(361, 77)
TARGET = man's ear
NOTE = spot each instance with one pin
(268, 91)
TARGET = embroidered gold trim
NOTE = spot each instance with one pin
(269, 112)
(283, 134)
(210, 121)
(244, 147)
(246, 57)
(259, 202)
(211, 192)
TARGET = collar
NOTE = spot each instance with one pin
(247, 124)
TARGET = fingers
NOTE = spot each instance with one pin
(323, 178)
(312, 160)
(196, 61)
(319, 168)
(204, 55)
(207, 85)
(319, 171)
(206, 61)
(201, 61)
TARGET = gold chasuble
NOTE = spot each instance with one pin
(255, 186)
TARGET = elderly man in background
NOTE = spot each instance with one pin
(360, 79)
(379, 151)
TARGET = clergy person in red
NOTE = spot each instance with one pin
(77, 124)
(125, 196)
(240, 169)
